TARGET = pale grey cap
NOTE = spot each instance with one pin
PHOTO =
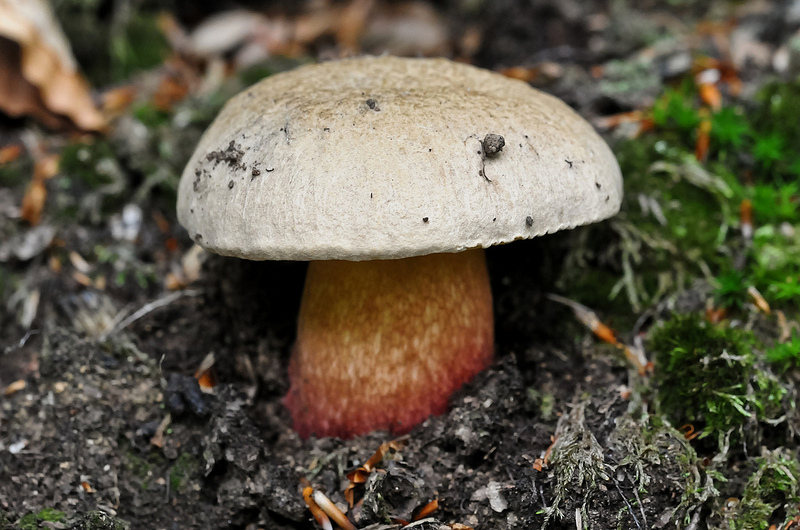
(382, 158)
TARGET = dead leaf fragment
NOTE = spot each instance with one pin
(33, 202)
(40, 75)
(10, 153)
(15, 387)
(36, 193)
(158, 437)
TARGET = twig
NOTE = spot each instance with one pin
(145, 309)
(639, 502)
(625, 499)
(22, 341)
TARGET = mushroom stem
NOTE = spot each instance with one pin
(383, 344)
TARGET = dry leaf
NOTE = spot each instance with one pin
(36, 193)
(10, 153)
(351, 23)
(33, 202)
(14, 387)
(117, 100)
(408, 29)
(521, 73)
(40, 75)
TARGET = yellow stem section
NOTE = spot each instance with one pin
(383, 344)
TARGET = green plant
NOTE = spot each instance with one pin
(772, 487)
(675, 108)
(731, 289)
(45, 515)
(769, 149)
(785, 355)
(707, 374)
(729, 128)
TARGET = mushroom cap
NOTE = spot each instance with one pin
(383, 158)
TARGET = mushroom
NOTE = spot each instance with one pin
(376, 171)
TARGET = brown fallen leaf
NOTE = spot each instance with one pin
(40, 75)
(521, 73)
(33, 202)
(117, 100)
(18, 97)
(10, 153)
(173, 86)
(15, 387)
(36, 193)
(351, 23)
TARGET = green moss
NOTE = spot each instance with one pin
(139, 47)
(676, 109)
(151, 116)
(185, 468)
(706, 375)
(673, 221)
(82, 161)
(112, 44)
(785, 356)
(680, 218)
(731, 289)
(771, 494)
(778, 114)
(729, 129)
(31, 521)
(16, 173)
(541, 402)
(139, 468)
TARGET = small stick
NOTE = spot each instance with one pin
(332, 511)
(145, 309)
(316, 511)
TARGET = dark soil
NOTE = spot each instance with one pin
(230, 459)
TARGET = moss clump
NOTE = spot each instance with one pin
(680, 218)
(185, 467)
(92, 183)
(83, 161)
(771, 494)
(707, 374)
(542, 403)
(577, 459)
(139, 468)
(16, 172)
(48, 515)
(669, 231)
(113, 44)
(98, 520)
(785, 356)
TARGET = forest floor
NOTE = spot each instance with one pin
(109, 310)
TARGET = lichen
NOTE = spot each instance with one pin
(577, 459)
